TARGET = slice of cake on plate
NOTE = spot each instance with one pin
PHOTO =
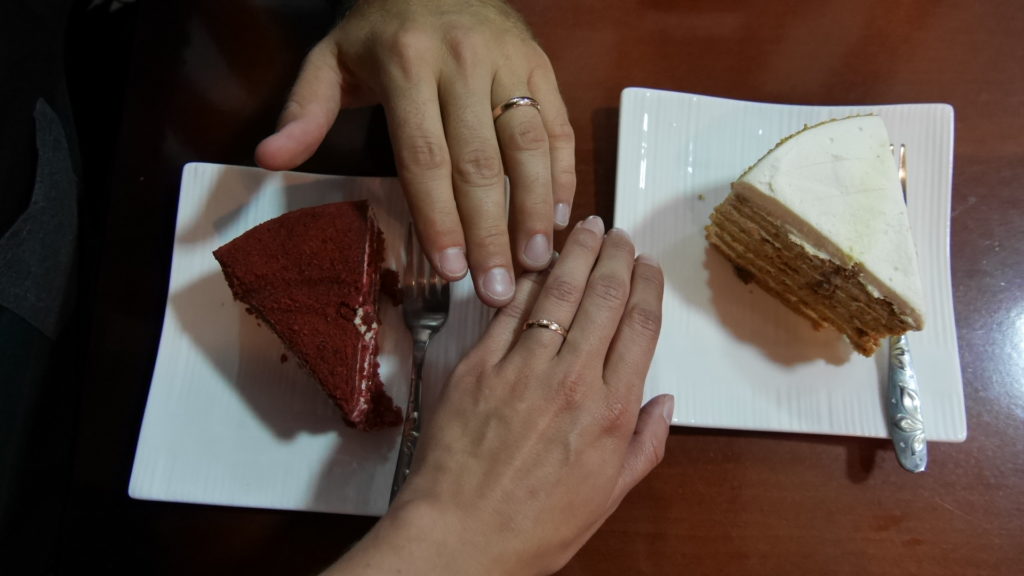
(313, 276)
(820, 223)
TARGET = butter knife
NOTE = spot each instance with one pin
(906, 427)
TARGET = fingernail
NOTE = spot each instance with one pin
(452, 262)
(538, 250)
(562, 214)
(621, 231)
(594, 223)
(668, 407)
(497, 283)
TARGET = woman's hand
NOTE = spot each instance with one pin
(440, 67)
(537, 437)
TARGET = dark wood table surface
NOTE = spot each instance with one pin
(206, 81)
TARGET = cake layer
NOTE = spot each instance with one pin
(814, 286)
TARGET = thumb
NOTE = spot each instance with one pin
(310, 112)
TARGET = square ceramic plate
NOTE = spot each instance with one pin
(231, 419)
(733, 356)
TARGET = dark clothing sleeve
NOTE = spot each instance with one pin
(38, 238)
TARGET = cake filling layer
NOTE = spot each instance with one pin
(817, 287)
(835, 186)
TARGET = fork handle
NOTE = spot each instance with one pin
(411, 427)
(410, 435)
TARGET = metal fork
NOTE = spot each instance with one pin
(906, 427)
(425, 301)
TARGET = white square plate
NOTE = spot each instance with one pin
(231, 421)
(733, 356)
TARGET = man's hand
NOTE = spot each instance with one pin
(439, 68)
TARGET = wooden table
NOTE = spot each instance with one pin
(208, 79)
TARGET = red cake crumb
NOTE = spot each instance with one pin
(313, 276)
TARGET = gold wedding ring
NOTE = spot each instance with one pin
(515, 102)
(549, 324)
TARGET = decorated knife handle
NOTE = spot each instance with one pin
(904, 408)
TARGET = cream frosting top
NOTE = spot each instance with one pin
(835, 185)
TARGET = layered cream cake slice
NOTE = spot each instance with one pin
(820, 223)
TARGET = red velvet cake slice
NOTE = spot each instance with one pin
(313, 276)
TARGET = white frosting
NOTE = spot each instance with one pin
(367, 330)
(807, 247)
(836, 187)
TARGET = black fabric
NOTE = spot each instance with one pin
(31, 59)
(38, 222)
(37, 253)
(72, 393)
(37, 428)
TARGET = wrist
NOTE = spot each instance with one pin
(419, 537)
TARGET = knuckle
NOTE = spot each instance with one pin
(493, 238)
(561, 134)
(518, 307)
(422, 155)
(651, 275)
(293, 108)
(619, 241)
(572, 389)
(478, 167)
(609, 289)
(536, 206)
(528, 136)
(469, 371)
(644, 320)
(614, 415)
(654, 453)
(588, 239)
(465, 46)
(534, 279)
(562, 291)
(565, 179)
(540, 69)
(407, 48)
